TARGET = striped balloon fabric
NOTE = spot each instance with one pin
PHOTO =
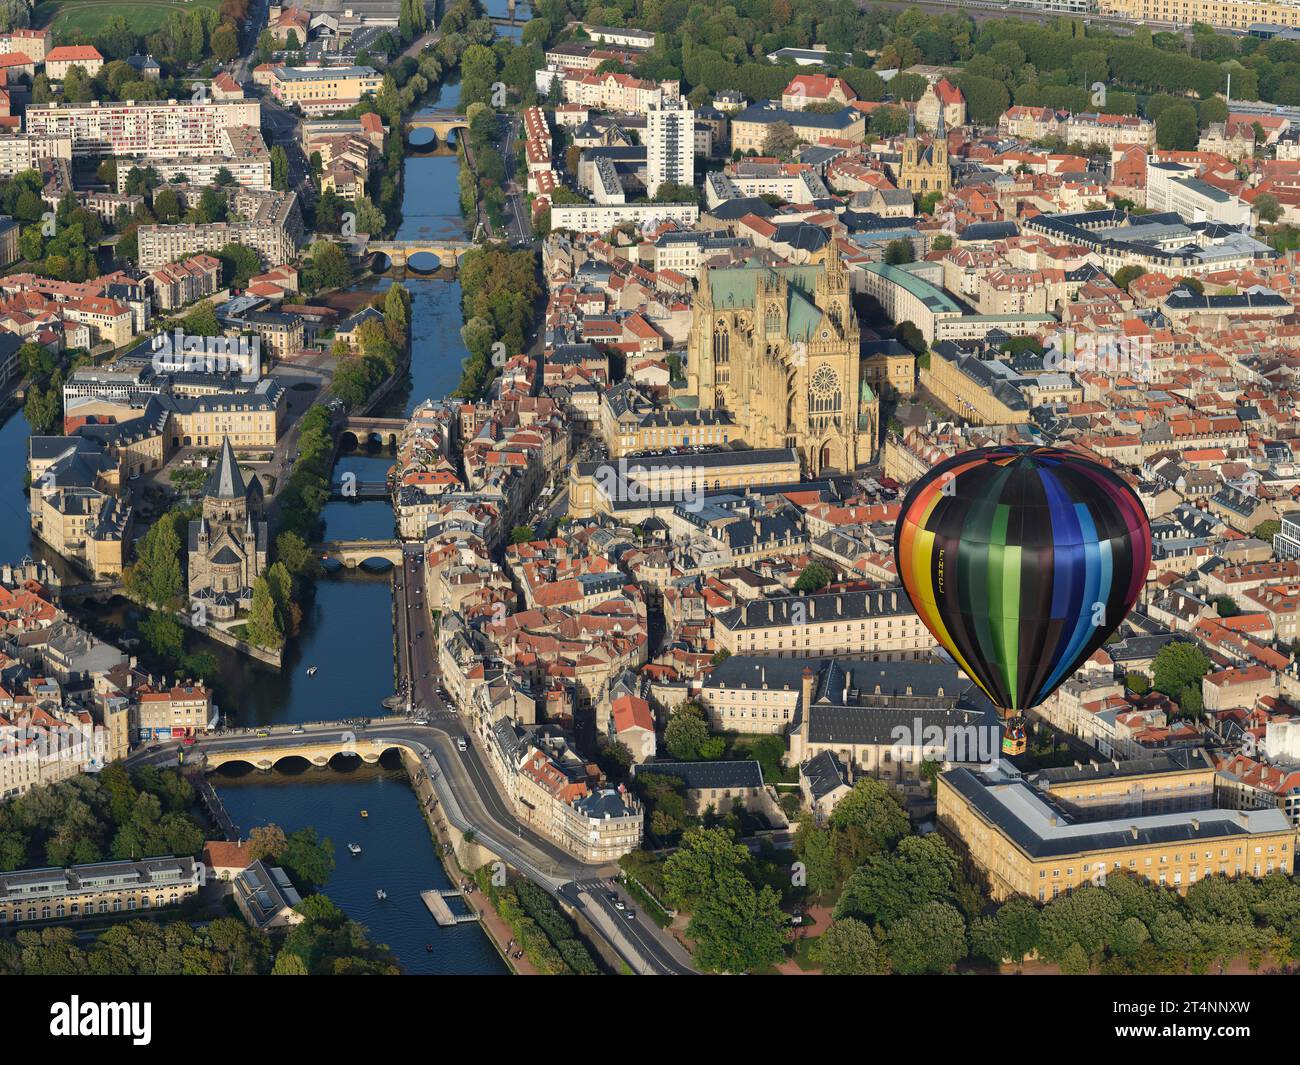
(1021, 561)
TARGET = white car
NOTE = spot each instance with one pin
(461, 745)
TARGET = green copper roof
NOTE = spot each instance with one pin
(735, 286)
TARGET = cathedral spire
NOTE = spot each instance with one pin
(911, 125)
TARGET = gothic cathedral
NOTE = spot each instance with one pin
(925, 169)
(779, 348)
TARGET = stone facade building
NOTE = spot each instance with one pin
(227, 546)
(779, 349)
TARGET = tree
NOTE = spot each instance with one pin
(1268, 207)
(1176, 128)
(1226, 606)
(931, 939)
(781, 140)
(1009, 935)
(1126, 275)
(736, 927)
(873, 813)
(307, 859)
(155, 578)
(263, 627)
(687, 731)
(267, 841)
(814, 577)
(1266, 530)
(238, 264)
(225, 42)
(848, 948)
(887, 887)
(1179, 665)
(330, 265)
(279, 168)
(1137, 682)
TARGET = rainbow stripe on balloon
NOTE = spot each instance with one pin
(1022, 561)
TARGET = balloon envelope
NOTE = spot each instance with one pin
(1021, 561)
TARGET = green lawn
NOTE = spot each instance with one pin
(87, 16)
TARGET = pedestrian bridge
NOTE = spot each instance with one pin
(352, 553)
(318, 750)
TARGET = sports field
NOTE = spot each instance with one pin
(87, 16)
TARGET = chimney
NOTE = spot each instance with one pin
(808, 679)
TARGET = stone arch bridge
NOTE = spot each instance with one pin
(352, 553)
(318, 750)
(398, 252)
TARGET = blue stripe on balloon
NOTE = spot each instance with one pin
(1066, 593)
(1083, 627)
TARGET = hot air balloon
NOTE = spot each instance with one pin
(1021, 561)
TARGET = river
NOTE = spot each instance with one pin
(397, 854)
(347, 633)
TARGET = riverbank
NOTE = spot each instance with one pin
(450, 846)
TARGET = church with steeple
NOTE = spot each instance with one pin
(227, 545)
(924, 168)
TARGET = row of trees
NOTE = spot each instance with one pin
(498, 290)
(114, 814)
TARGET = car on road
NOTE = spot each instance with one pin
(297, 731)
(263, 733)
(154, 747)
(630, 914)
(461, 745)
(619, 904)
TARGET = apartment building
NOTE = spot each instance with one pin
(1222, 14)
(241, 152)
(84, 891)
(181, 710)
(270, 224)
(178, 284)
(601, 218)
(749, 128)
(25, 151)
(619, 92)
(1110, 130)
(670, 144)
(1026, 843)
(151, 128)
(32, 43)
